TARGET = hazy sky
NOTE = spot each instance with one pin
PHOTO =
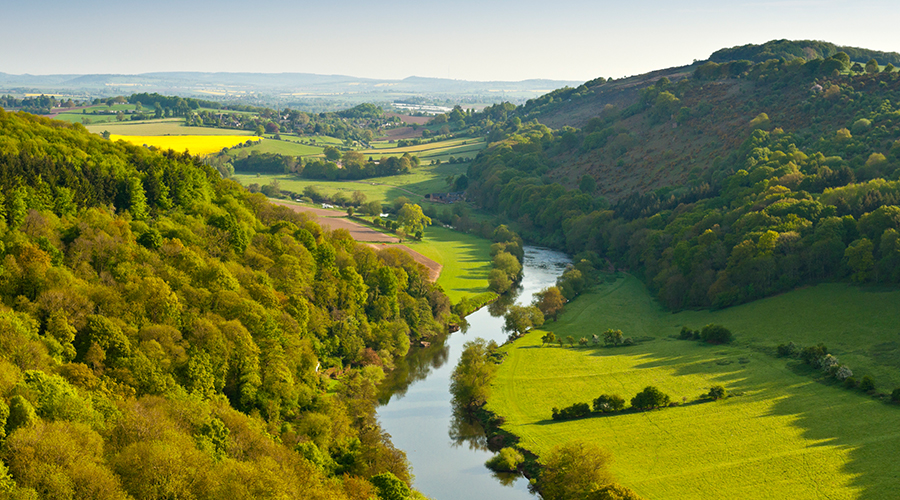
(469, 39)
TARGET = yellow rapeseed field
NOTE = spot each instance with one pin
(194, 144)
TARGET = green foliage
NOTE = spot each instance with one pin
(716, 334)
(577, 410)
(470, 383)
(390, 487)
(574, 470)
(649, 398)
(519, 319)
(717, 392)
(609, 403)
(506, 460)
(165, 333)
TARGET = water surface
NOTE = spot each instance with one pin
(448, 458)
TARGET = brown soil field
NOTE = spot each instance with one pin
(421, 120)
(401, 133)
(331, 219)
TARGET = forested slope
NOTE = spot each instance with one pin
(735, 183)
(166, 334)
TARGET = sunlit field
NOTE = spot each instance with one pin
(195, 144)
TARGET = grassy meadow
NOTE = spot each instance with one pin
(414, 185)
(466, 260)
(785, 433)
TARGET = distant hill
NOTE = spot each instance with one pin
(306, 91)
(795, 49)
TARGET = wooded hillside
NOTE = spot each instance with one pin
(166, 334)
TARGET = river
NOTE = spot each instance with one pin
(447, 458)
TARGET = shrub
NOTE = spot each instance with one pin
(895, 395)
(850, 383)
(867, 384)
(716, 334)
(843, 373)
(608, 403)
(717, 392)
(507, 460)
(686, 333)
(577, 410)
(812, 355)
(788, 350)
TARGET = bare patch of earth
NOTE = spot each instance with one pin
(332, 220)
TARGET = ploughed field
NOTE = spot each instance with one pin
(786, 431)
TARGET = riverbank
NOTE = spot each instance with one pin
(417, 413)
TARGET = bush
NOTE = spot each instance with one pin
(608, 403)
(813, 355)
(867, 384)
(686, 333)
(717, 392)
(577, 410)
(895, 395)
(789, 350)
(716, 334)
(850, 383)
(507, 460)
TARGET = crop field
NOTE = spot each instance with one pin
(466, 260)
(195, 144)
(463, 147)
(171, 126)
(282, 147)
(784, 433)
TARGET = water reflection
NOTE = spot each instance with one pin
(447, 448)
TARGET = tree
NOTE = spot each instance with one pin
(715, 334)
(717, 392)
(412, 219)
(332, 153)
(550, 301)
(649, 398)
(587, 184)
(574, 470)
(613, 337)
(548, 338)
(470, 383)
(507, 460)
(872, 66)
(519, 319)
(390, 487)
(608, 403)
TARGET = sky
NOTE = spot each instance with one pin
(476, 40)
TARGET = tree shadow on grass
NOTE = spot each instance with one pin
(866, 429)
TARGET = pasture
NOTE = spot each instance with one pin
(195, 144)
(466, 260)
(414, 185)
(785, 432)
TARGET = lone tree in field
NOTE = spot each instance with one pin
(412, 219)
(716, 334)
(649, 398)
(574, 470)
(717, 392)
(549, 338)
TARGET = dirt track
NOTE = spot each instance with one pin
(332, 220)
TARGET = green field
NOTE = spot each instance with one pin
(784, 434)
(281, 147)
(421, 181)
(466, 260)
